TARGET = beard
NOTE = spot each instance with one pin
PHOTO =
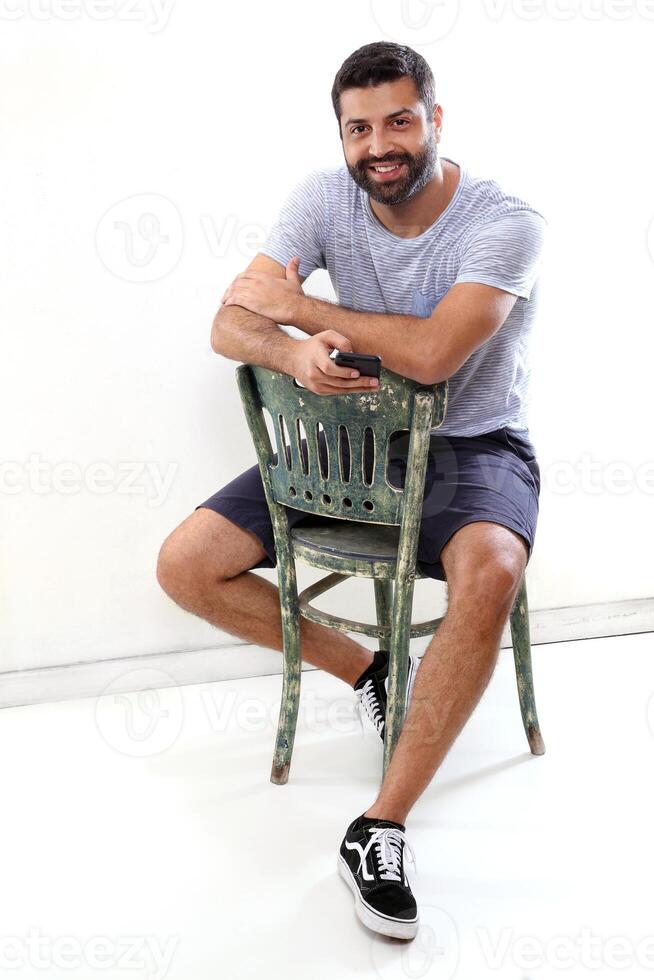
(419, 171)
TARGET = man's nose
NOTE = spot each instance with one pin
(380, 145)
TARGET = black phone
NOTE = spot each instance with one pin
(366, 364)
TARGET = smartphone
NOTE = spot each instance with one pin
(366, 364)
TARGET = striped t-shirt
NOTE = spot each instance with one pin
(484, 235)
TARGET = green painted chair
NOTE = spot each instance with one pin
(375, 529)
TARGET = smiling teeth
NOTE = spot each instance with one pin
(384, 170)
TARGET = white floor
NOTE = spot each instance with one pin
(141, 836)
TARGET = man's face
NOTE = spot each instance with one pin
(388, 125)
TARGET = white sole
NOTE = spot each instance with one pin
(399, 929)
(412, 668)
(414, 663)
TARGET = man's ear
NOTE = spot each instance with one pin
(438, 121)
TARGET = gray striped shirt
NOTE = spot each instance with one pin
(484, 235)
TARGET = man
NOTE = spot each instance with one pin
(434, 270)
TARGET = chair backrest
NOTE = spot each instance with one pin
(356, 425)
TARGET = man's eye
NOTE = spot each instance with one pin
(355, 129)
(405, 121)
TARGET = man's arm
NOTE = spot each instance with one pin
(251, 338)
(500, 263)
(426, 349)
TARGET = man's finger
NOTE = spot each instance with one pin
(347, 380)
(335, 339)
(293, 270)
(329, 367)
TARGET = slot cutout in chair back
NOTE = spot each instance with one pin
(334, 449)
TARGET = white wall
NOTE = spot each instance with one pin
(205, 116)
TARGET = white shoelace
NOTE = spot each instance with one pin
(387, 842)
(370, 703)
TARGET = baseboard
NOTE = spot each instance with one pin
(85, 680)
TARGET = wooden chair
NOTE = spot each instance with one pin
(375, 529)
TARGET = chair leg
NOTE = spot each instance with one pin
(288, 709)
(398, 666)
(519, 621)
(384, 606)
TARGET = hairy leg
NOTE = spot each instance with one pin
(203, 566)
(484, 563)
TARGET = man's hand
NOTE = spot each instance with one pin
(267, 295)
(313, 367)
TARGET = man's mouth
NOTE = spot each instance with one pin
(386, 171)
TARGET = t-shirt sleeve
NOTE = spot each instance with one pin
(505, 251)
(301, 228)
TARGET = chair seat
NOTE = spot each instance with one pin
(349, 539)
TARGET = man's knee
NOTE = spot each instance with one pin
(180, 570)
(205, 550)
(485, 568)
(169, 564)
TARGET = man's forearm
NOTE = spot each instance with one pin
(252, 339)
(399, 340)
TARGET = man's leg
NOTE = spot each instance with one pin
(484, 563)
(203, 566)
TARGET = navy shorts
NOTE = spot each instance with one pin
(490, 477)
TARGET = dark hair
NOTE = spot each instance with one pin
(384, 61)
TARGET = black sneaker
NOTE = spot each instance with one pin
(371, 861)
(371, 692)
(371, 689)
